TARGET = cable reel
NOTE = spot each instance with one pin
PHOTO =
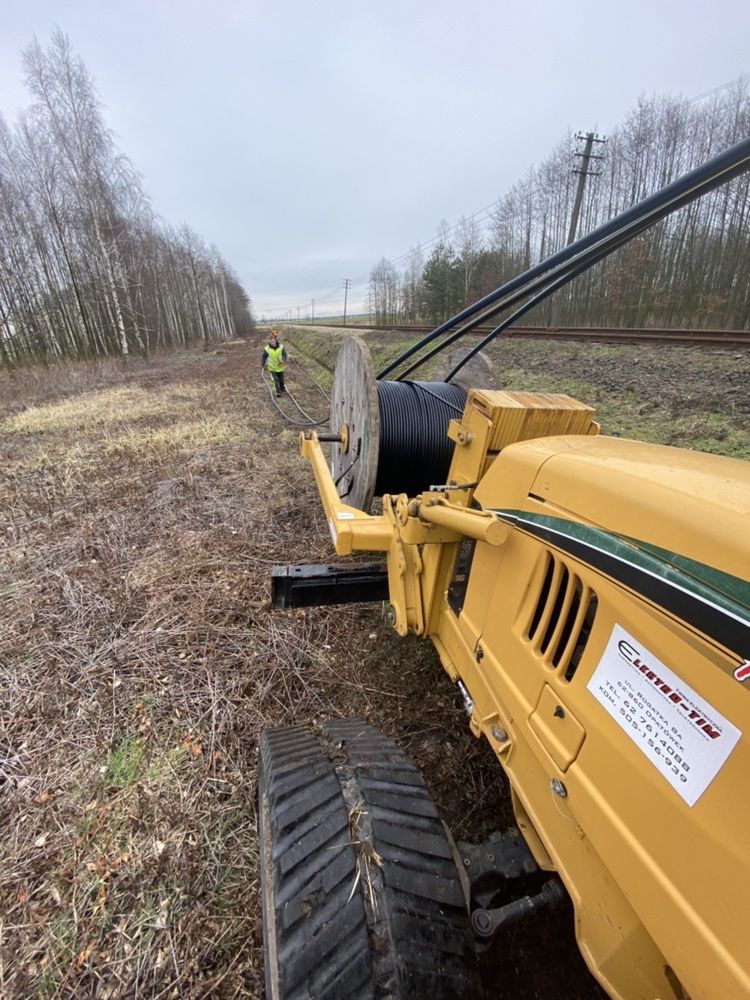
(388, 436)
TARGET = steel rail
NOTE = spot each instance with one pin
(725, 338)
(686, 334)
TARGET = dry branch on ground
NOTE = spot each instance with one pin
(142, 510)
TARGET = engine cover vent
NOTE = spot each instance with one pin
(563, 617)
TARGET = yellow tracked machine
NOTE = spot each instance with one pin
(589, 597)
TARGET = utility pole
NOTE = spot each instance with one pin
(312, 321)
(346, 292)
(583, 172)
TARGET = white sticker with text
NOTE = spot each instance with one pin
(683, 736)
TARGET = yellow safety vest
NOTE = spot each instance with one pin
(275, 363)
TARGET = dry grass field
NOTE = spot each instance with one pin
(142, 507)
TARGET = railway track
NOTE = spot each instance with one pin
(716, 338)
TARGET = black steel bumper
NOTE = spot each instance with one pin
(310, 586)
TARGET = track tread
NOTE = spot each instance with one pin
(304, 795)
(329, 795)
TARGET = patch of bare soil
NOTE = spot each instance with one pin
(143, 509)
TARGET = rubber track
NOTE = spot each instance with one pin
(323, 950)
(407, 935)
(421, 908)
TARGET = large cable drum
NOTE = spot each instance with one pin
(355, 415)
(394, 434)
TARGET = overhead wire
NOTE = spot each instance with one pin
(606, 237)
(481, 215)
(715, 90)
(420, 246)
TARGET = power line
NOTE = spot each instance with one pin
(715, 90)
(347, 283)
(481, 215)
(584, 171)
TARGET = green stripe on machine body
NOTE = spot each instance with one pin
(715, 602)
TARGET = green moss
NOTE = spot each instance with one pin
(124, 763)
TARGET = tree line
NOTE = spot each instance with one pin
(86, 267)
(690, 270)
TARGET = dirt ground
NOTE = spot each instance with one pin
(142, 507)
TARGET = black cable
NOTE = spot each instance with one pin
(299, 370)
(305, 414)
(477, 321)
(526, 307)
(415, 449)
(561, 275)
(692, 185)
(422, 387)
(347, 470)
(289, 420)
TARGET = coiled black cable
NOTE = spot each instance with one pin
(415, 450)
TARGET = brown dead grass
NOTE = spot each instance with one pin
(143, 508)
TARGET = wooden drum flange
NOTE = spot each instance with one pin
(354, 410)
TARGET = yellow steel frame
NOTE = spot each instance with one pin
(638, 895)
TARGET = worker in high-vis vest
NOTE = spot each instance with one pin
(274, 359)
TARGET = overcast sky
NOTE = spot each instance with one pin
(309, 139)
